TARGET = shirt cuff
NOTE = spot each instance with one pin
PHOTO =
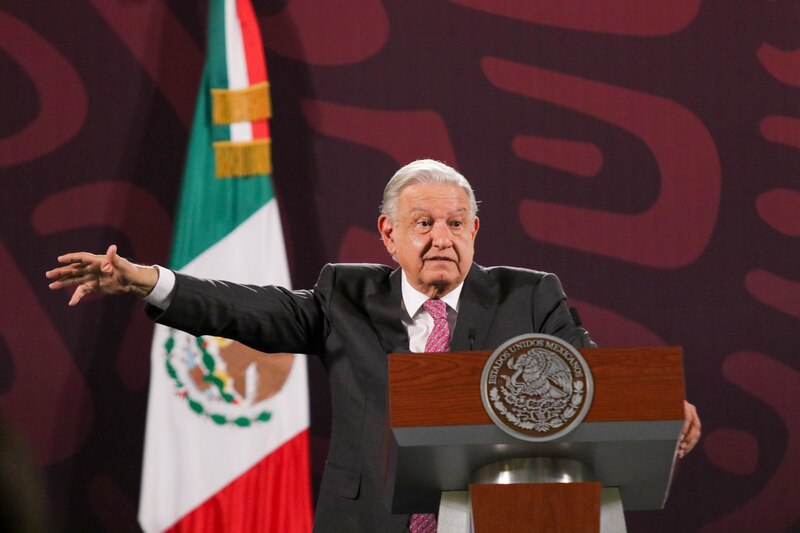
(161, 295)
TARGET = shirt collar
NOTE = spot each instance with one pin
(413, 299)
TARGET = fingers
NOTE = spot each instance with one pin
(86, 284)
(687, 418)
(64, 274)
(72, 280)
(87, 259)
(78, 257)
(78, 264)
(83, 271)
(691, 432)
(74, 268)
(110, 259)
(81, 291)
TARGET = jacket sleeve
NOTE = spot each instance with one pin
(269, 318)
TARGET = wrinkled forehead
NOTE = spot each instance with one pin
(442, 198)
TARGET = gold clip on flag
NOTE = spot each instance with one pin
(243, 158)
(241, 105)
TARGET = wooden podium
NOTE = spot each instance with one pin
(442, 435)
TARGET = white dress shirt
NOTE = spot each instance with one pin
(161, 295)
(417, 321)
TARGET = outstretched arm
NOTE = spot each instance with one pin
(107, 274)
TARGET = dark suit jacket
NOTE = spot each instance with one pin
(352, 319)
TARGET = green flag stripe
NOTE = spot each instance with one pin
(216, 60)
(210, 208)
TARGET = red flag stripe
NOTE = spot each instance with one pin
(254, 56)
(254, 502)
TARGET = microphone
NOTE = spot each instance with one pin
(575, 317)
(471, 335)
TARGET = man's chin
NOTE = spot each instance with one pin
(442, 281)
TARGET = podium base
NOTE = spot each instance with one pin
(455, 513)
(532, 494)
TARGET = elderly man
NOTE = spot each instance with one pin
(356, 314)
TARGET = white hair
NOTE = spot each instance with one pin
(423, 171)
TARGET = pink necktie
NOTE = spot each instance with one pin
(438, 341)
(422, 523)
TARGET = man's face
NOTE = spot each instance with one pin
(433, 237)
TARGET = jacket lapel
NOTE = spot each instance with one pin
(385, 309)
(476, 310)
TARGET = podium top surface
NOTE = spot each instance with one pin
(442, 389)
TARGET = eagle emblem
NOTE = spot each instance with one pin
(536, 387)
(222, 380)
(541, 375)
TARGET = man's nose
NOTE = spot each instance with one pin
(441, 235)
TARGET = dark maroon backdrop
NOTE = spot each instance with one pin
(645, 150)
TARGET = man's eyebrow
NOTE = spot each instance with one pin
(458, 212)
(420, 211)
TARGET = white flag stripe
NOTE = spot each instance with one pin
(191, 471)
(194, 470)
(253, 252)
(236, 62)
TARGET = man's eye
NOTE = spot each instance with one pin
(424, 223)
(456, 223)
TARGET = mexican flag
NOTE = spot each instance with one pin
(226, 444)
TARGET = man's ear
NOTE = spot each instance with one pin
(476, 224)
(385, 228)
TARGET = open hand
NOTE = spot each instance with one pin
(107, 274)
